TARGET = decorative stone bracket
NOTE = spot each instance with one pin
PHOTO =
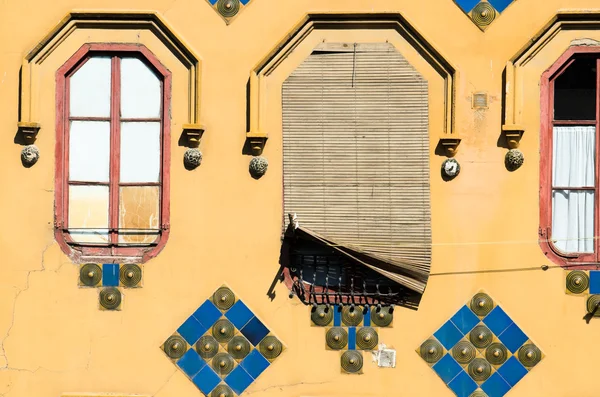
(450, 145)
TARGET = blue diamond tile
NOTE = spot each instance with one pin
(239, 380)
(512, 371)
(367, 317)
(206, 380)
(467, 5)
(255, 363)
(447, 368)
(497, 320)
(337, 316)
(191, 363)
(255, 331)
(500, 5)
(352, 338)
(191, 330)
(110, 275)
(448, 335)
(207, 314)
(495, 386)
(594, 281)
(212, 2)
(462, 385)
(465, 320)
(244, 2)
(513, 338)
(239, 314)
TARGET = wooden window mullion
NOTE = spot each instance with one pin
(597, 170)
(115, 149)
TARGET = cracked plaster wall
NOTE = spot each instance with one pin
(54, 339)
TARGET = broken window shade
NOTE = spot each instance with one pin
(356, 160)
(321, 271)
(112, 161)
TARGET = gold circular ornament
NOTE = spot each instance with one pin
(577, 281)
(464, 352)
(483, 14)
(591, 304)
(175, 347)
(529, 355)
(207, 346)
(238, 347)
(90, 274)
(110, 298)
(479, 369)
(336, 338)
(496, 354)
(224, 298)
(270, 347)
(431, 351)
(481, 336)
(481, 304)
(322, 315)
(351, 317)
(223, 330)
(381, 318)
(223, 363)
(352, 361)
(222, 391)
(478, 393)
(228, 8)
(367, 338)
(130, 275)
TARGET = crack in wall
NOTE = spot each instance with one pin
(12, 322)
(285, 386)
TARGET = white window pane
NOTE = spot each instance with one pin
(89, 151)
(573, 220)
(140, 152)
(89, 89)
(139, 214)
(573, 156)
(88, 213)
(140, 90)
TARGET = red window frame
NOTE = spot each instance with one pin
(111, 252)
(579, 260)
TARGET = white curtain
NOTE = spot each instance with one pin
(573, 165)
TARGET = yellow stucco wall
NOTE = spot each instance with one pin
(225, 226)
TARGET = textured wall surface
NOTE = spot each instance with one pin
(226, 225)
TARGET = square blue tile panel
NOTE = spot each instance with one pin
(239, 380)
(191, 330)
(495, 386)
(513, 338)
(465, 320)
(255, 364)
(500, 5)
(200, 323)
(436, 350)
(594, 281)
(206, 380)
(497, 320)
(462, 385)
(207, 314)
(351, 338)
(448, 335)
(239, 314)
(466, 5)
(191, 363)
(255, 331)
(512, 371)
(110, 275)
(447, 368)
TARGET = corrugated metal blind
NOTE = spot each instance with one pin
(356, 154)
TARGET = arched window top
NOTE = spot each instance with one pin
(112, 154)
